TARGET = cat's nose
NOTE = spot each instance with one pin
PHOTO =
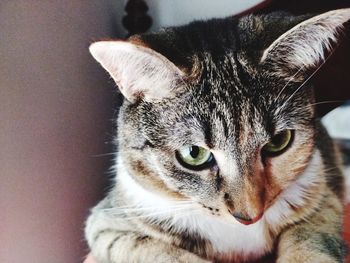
(246, 220)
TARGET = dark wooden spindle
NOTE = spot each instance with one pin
(137, 20)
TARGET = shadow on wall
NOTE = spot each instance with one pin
(55, 115)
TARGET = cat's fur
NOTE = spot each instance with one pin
(228, 85)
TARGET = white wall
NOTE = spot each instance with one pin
(179, 12)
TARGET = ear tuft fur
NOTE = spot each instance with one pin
(305, 46)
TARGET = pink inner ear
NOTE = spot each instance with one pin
(139, 71)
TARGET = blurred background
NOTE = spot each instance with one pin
(56, 107)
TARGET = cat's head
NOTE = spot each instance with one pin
(220, 112)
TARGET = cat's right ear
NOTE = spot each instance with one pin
(140, 72)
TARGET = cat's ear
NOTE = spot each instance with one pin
(140, 72)
(301, 49)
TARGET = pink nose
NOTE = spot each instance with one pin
(246, 220)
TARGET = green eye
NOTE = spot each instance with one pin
(278, 143)
(194, 157)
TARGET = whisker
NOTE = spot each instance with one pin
(298, 160)
(126, 209)
(170, 211)
(145, 209)
(173, 202)
(313, 73)
(323, 102)
(290, 79)
(327, 102)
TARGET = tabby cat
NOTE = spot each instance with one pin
(221, 157)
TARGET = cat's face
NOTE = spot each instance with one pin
(214, 119)
(232, 147)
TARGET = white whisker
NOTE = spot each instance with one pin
(327, 102)
(322, 102)
(171, 212)
(145, 209)
(303, 84)
(171, 201)
(290, 79)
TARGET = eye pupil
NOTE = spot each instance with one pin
(278, 139)
(278, 143)
(194, 151)
(195, 157)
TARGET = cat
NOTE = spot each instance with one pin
(221, 157)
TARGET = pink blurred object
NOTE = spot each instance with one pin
(89, 259)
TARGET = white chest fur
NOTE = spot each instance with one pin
(224, 237)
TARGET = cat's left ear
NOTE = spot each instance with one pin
(301, 49)
(139, 71)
